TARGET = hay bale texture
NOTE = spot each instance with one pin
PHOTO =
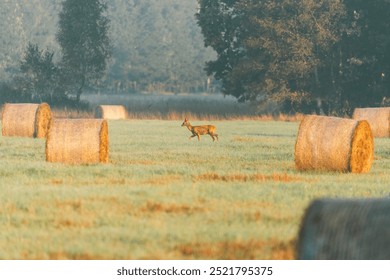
(110, 112)
(378, 118)
(345, 229)
(337, 144)
(26, 120)
(77, 141)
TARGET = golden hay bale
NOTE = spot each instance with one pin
(330, 143)
(345, 229)
(26, 120)
(77, 141)
(378, 118)
(110, 112)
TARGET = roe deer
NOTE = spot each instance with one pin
(200, 130)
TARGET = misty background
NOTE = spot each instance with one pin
(157, 45)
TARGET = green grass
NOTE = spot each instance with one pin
(165, 197)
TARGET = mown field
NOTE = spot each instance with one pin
(162, 196)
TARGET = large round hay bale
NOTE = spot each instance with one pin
(26, 120)
(77, 141)
(378, 118)
(110, 112)
(345, 229)
(330, 143)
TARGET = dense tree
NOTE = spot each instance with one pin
(300, 51)
(222, 26)
(84, 41)
(365, 61)
(268, 49)
(39, 77)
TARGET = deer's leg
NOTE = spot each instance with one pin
(198, 136)
(214, 135)
(193, 135)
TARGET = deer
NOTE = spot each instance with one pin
(200, 130)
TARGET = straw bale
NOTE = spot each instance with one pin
(110, 112)
(345, 229)
(77, 141)
(26, 120)
(330, 143)
(378, 118)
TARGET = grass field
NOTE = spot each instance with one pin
(165, 197)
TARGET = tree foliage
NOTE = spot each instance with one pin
(39, 75)
(299, 50)
(84, 41)
(365, 54)
(266, 48)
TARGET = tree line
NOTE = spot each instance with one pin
(85, 49)
(155, 46)
(324, 55)
(330, 55)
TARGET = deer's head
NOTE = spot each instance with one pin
(185, 123)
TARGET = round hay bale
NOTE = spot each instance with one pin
(345, 229)
(110, 112)
(26, 120)
(378, 118)
(330, 143)
(77, 141)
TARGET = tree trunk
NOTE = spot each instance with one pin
(80, 89)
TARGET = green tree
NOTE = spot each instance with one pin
(365, 54)
(269, 49)
(300, 51)
(39, 79)
(301, 40)
(84, 41)
(222, 24)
